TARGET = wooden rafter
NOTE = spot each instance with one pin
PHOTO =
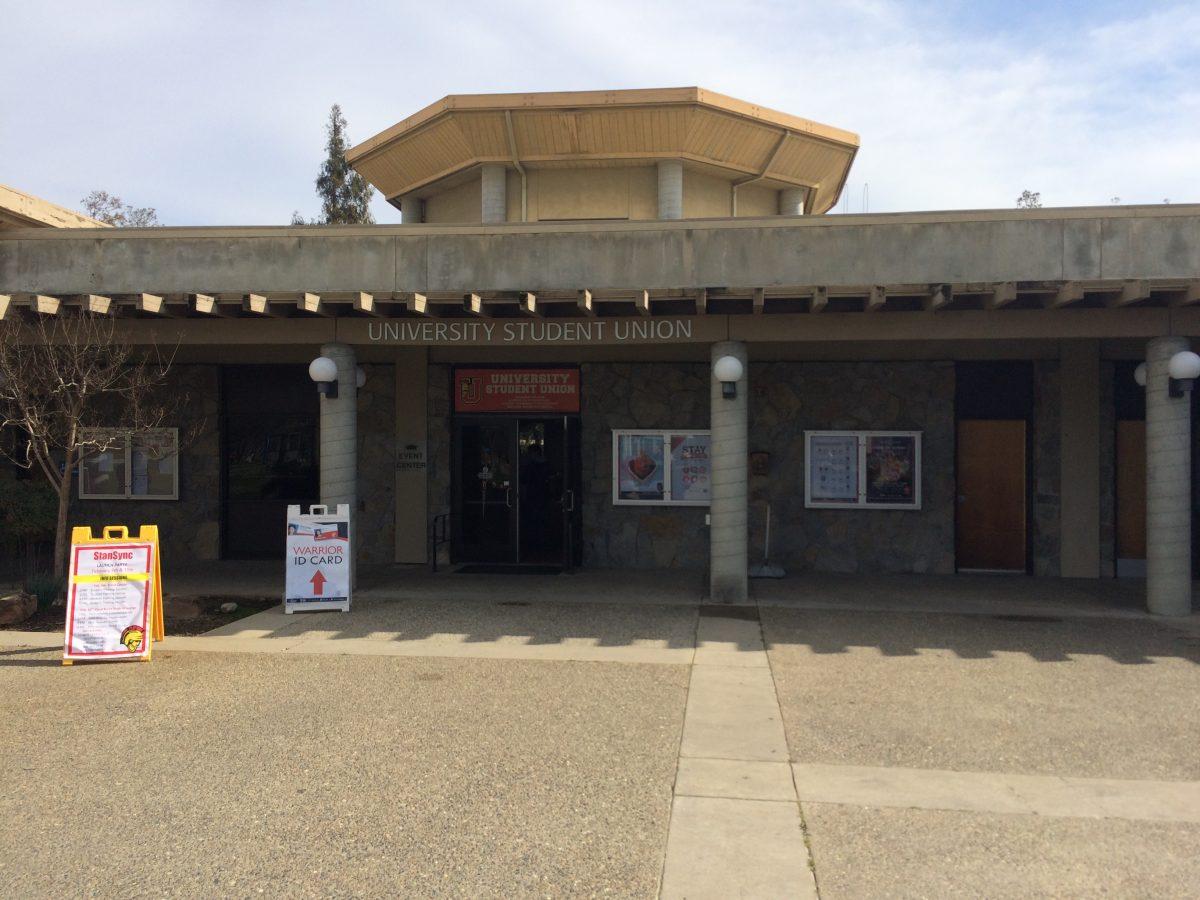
(417, 303)
(820, 299)
(584, 303)
(876, 298)
(1001, 295)
(528, 305)
(473, 304)
(642, 303)
(759, 301)
(365, 303)
(45, 305)
(309, 303)
(702, 301)
(1070, 292)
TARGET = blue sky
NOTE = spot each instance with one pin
(213, 112)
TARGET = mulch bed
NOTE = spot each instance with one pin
(210, 616)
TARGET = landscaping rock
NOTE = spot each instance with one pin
(17, 607)
(181, 608)
(228, 607)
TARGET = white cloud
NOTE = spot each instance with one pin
(214, 112)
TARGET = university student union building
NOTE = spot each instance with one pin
(620, 330)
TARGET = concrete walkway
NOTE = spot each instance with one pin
(748, 810)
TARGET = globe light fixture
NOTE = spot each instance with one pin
(1139, 374)
(1183, 369)
(360, 376)
(323, 371)
(728, 370)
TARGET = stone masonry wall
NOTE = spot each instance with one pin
(189, 528)
(638, 395)
(786, 399)
(789, 398)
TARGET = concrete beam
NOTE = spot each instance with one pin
(939, 296)
(150, 303)
(95, 304)
(257, 304)
(1084, 245)
(1131, 292)
(44, 305)
(584, 304)
(365, 303)
(1070, 292)
(417, 303)
(1001, 295)
(1189, 296)
(875, 299)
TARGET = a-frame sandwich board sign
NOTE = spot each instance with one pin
(114, 595)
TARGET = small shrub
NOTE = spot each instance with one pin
(46, 587)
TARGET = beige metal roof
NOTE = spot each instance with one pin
(548, 129)
(21, 210)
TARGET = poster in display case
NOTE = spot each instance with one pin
(662, 467)
(871, 469)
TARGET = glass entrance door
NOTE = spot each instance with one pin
(486, 490)
(516, 491)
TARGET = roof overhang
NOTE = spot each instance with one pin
(21, 210)
(700, 127)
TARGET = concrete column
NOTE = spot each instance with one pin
(670, 189)
(1079, 399)
(791, 201)
(495, 201)
(728, 560)
(339, 439)
(410, 210)
(1168, 486)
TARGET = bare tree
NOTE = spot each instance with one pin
(112, 210)
(70, 386)
(1029, 200)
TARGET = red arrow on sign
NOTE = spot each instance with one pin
(318, 583)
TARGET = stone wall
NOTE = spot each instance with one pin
(789, 398)
(189, 528)
(1047, 473)
(638, 395)
(375, 534)
(785, 399)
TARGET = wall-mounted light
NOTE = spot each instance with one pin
(360, 376)
(1182, 371)
(323, 371)
(728, 370)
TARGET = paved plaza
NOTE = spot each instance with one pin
(590, 736)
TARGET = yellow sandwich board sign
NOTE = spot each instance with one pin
(114, 595)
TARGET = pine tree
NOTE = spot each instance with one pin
(345, 195)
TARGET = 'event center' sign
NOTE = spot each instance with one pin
(642, 330)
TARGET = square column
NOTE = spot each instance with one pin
(1168, 485)
(728, 545)
(1080, 440)
(495, 200)
(339, 440)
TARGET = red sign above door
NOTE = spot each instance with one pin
(516, 390)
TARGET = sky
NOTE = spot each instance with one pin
(214, 112)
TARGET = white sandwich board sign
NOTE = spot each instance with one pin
(317, 565)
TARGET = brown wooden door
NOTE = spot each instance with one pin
(1131, 490)
(990, 530)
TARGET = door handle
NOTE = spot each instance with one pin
(569, 505)
(508, 497)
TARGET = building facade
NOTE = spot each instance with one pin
(616, 330)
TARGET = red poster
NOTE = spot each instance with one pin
(516, 390)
